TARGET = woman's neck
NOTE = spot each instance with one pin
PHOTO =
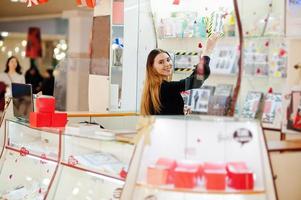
(11, 72)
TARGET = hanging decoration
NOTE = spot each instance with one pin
(34, 43)
(87, 3)
(34, 2)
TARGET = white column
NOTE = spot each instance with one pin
(139, 39)
(79, 33)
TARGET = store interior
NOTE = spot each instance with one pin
(239, 139)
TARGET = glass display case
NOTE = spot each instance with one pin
(81, 161)
(200, 158)
(101, 162)
(30, 161)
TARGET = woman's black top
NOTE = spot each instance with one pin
(170, 93)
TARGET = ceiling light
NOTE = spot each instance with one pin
(4, 34)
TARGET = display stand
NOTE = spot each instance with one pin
(208, 142)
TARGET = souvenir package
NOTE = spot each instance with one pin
(199, 100)
(256, 58)
(251, 105)
(293, 111)
(271, 113)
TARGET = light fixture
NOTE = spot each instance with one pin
(9, 53)
(17, 49)
(4, 34)
(24, 43)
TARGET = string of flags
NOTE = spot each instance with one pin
(34, 2)
(80, 3)
(87, 3)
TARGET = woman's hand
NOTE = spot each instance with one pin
(210, 44)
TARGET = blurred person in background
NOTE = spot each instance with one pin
(48, 83)
(12, 74)
(33, 77)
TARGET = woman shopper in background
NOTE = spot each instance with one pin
(161, 96)
(12, 74)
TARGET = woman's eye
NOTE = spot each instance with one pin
(161, 62)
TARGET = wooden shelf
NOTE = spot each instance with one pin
(286, 145)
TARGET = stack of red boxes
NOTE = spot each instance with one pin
(185, 174)
(45, 116)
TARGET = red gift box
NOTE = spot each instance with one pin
(45, 104)
(219, 166)
(59, 119)
(215, 179)
(240, 177)
(185, 178)
(170, 164)
(40, 119)
(157, 175)
(187, 164)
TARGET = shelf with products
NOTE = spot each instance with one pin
(27, 149)
(165, 169)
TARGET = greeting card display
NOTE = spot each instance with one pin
(256, 57)
(223, 60)
(278, 59)
(212, 162)
(272, 109)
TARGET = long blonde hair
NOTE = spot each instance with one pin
(150, 100)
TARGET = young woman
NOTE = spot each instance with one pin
(12, 73)
(161, 96)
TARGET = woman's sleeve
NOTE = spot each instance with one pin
(191, 81)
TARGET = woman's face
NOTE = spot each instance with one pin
(12, 64)
(162, 64)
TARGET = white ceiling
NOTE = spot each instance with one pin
(9, 9)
